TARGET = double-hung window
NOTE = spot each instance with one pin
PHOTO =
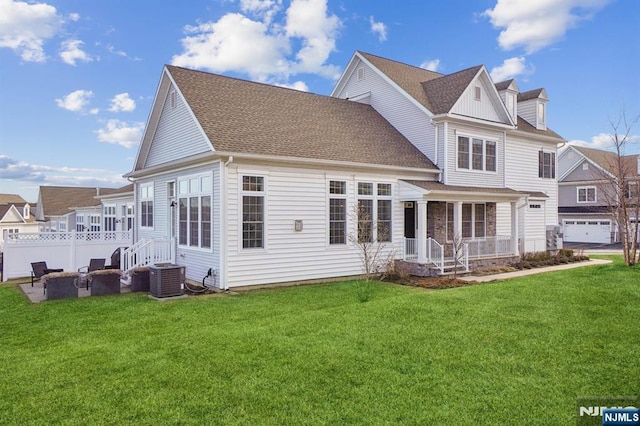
(374, 207)
(109, 218)
(194, 211)
(253, 190)
(79, 222)
(476, 154)
(586, 194)
(546, 165)
(337, 212)
(474, 221)
(146, 205)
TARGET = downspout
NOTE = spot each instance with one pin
(445, 160)
(223, 224)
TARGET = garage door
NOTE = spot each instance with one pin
(587, 231)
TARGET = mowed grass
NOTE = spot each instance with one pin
(512, 352)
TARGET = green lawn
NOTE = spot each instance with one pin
(512, 352)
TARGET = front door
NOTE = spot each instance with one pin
(409, 219)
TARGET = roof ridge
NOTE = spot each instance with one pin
(399, 62)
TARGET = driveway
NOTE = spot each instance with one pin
(593, 248)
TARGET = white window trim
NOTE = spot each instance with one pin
(473, 221)
(477, 93)
(586, 194)
(265, 213)
(344, 196)
(360, 73)
(188, 195)
(484, 154)
(375, 197)
(146, 199)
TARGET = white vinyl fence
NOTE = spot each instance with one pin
(66, 250)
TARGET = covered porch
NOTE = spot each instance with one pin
(449, 228)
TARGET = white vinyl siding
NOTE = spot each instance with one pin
(290, 255)
(456, 175)
(468, 106)
(177, 135)
(197, 261)
(410, 120)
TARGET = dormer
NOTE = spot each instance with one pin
(26, 211)
(508, 91)
(532, 106)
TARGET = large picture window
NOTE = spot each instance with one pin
(476, 154)
(253, 211)
(374, 206)
(337, 212)
(146, 205)
(194, 211)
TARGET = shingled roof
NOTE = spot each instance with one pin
(58, 200)
(240, 116)
(439, 93)
(11, 199)
(608, 160)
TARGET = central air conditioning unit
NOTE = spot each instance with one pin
(166, 280)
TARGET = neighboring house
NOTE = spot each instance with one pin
(585, 194)
(72, 208)
(262, 184)
(16, 215)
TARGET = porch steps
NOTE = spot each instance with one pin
(450, 266)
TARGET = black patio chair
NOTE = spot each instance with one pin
(39, 269)
(94, 265)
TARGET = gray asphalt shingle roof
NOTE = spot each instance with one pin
(240, 116)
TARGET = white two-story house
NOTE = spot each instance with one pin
(260, 184)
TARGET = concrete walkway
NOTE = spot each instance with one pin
(524, 272)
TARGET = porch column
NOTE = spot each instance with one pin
(421, 237)
(514, 228)
(457, 219)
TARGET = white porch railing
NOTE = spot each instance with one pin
(147, 252)
(435, 252)
(410, 249)
(500, 245)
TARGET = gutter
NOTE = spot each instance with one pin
(209, 156)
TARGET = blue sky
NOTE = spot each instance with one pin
(78, 77)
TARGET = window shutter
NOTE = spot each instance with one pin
(553, 165)
(540, 163)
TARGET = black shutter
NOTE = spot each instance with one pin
(540, 163)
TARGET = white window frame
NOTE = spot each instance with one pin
(542, 113)
(552, 165)
(337, 196)
(477, 93)
(375, 197)
(80, 227)
(95, 222)
(146, 200)
(450, 220)
(360, 73)
(110, 220)
(249, 193)
(470, 153)
(188, 188)
(586, 190)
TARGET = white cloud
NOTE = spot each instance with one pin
(74, 17)
(261, 48)
(234, 43)
(11, 169)
(71, 52)
(510, 68)
(122, 102)
(432, 65)
(75, 101)
(378, 28)
(121, 133)
(298, 85)
(25, 27)
(308, 20)
(122, 53)
(534, 25)
(604, 141)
